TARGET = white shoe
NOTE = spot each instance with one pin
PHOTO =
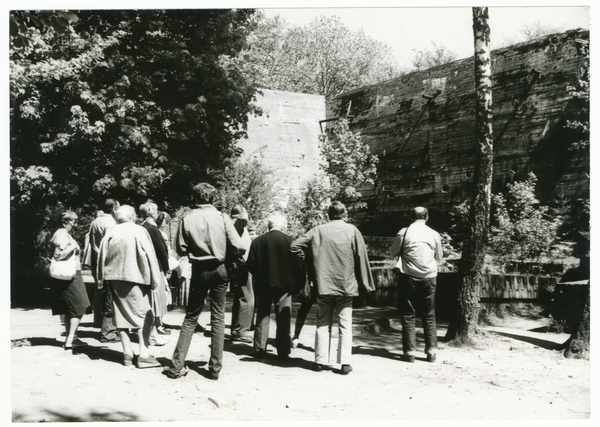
(295, 342)
(157, 342)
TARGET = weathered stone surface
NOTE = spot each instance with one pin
(421, 126)
(287, 134)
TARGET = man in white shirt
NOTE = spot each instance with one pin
(419, 248)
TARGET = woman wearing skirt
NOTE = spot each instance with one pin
(127, 263)
(69, 296)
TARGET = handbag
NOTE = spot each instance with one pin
(64, 269)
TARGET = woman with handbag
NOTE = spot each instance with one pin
(68, 289)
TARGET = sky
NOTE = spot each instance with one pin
(404, 25)
(408, 28)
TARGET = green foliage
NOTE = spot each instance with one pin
(131, 103)
(524, 230)
(347, 166)
(308, 208)
(429, 58)
(323, 57)
(348, 163)
(250, 184)
(134, 104)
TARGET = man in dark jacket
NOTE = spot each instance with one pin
(276, 273)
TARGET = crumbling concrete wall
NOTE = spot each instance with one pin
(286, 136)
(421, 126)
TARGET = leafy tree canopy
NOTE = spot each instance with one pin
(132, 104)
(439, 54)
(322, 58)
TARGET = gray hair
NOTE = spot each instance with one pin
(149, 210)
(125, 213)
(277, 221)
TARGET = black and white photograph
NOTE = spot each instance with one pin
(231, 212)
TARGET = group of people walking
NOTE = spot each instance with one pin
(129, 263)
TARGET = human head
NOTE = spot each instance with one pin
(125, 213)
(110, 206)
(277, 222)
(337, 210)
(419, 213)
(149, 210)
(162, 218)
(68, 217)
(204, 193)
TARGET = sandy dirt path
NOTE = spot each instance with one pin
(513, 373)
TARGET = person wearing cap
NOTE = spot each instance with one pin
(419, 249)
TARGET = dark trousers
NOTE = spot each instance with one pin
(108, 329)
(283, 318)
(243, 302)
(303, 311)
(204, 279)
(417, 297)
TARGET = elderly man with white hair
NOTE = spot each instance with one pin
(276, 274)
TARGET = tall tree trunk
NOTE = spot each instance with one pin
(464, 324)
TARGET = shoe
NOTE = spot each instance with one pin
(127, 360)
(431, 358)
(116, 338)
(213, 376)
(163, 331)
(156, 342)
(242, 339)
(295, 342)
(283, 356)
(259, 354)
(317, 367)
(75, 343)
(409, 359)
(172, 373)
(148, 362)
(346, 369)
(199, 329)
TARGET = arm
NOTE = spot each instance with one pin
(64, 246)
(361, 264)
(439, 252)
(301, 245)
(234, 241)
(397, 245)
(181, 246)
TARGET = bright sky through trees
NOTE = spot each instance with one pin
(408, 28)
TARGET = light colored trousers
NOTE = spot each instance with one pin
(343, 306)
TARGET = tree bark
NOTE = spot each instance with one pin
(578, 344)
(464, 324)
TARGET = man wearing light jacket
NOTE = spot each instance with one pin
(419, 248)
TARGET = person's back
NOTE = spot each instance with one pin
(202, 235)
(271, 262)
(333, 249)
(420, 249)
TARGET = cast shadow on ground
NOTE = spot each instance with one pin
(56, 417)
(548, 345)
(100, 353)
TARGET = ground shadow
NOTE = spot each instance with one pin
(548, 345)
(56, 417)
